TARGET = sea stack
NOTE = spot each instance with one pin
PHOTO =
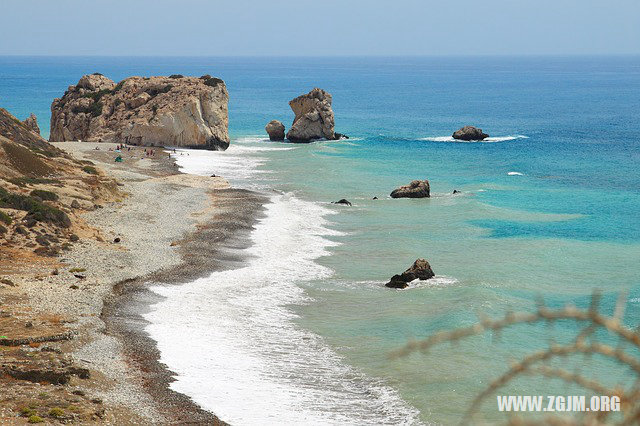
(275, 130)
(178, 111)
(314, 117)
(416, 189)
(419, 270)
(469, 133)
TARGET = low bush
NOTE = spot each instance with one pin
(5, 218)
(90, 169)
(36, 209)
(56, 412)
(24, 181)
(212, 81)
(44, 195)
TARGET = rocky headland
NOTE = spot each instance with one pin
(148, 111)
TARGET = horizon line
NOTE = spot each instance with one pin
(453, 55)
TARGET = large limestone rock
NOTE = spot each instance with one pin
(155, 111)
(419, 270)
(469, 133)
(31, 123)
(275, 130)
(416, 189)
(314, 117)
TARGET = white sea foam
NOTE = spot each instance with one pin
(487, 140)
(515, 174)
(231, 340)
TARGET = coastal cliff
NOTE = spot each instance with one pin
(148, 111)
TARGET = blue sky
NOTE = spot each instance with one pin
(319, 27)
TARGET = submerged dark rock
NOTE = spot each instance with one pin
(416, 189)
(419, 270)
(469, 133)
(342, 201)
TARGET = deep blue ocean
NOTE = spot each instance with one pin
(549, 208)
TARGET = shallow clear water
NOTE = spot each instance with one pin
(564, 225)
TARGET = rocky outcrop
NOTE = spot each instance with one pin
(314, 117)
(469, 133)
(31, 123)
(419, 270)
(342, 201)
(156, 111)
(275, 130)
(416, 189)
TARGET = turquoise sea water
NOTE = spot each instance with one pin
(566, 225)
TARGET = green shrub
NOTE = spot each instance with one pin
(153, 92)
(95, 109)
(3, 230)
(212, 81)
(97, 73)
(72, 270)
(36, 419)
(24, 181)
(44, 195)
(176, 76)
(5, 218)
(27, 412)
(35, 208)
(56, 412)
(90, 169)
(96, 96)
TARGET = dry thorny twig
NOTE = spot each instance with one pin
(584, 343)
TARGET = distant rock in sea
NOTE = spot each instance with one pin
(419, 270)
(342, 201)
(469, 133)
(151, 111)
(314, 117)
(31, 123)
(275, 130)
(416, 189)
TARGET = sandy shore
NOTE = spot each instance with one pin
(169, 228)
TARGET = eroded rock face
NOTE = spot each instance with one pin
(275, 130)
(469, 133)
(155, 111)
(31, 123)
(416, 189)
(314, 117)
(419, 270)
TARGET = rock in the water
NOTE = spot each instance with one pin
(343, 201)
(455, 191)
(419, 270)
(31, 123)
(314, 117)
(155, 111)
(275, 130)
(469, 133)
(416, 189)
